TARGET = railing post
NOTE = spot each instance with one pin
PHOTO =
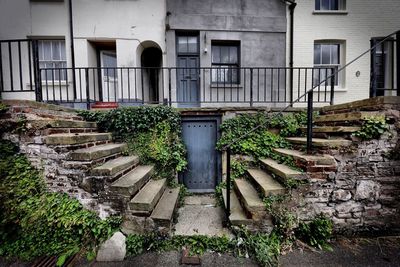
(251, 87)
(333, 79)
(228, 183)
(397, 64)
(309, 121)
(36, 71)
(87, 88)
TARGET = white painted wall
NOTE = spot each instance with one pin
(362, 20)
(126, 23)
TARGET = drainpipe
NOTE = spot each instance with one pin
(71, 36)
(292, 6)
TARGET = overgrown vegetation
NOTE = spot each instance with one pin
(372, 128)
(262, 247)
(317, 232)
(260, 142)
(153, 133)
(36, 223)
(3, 108)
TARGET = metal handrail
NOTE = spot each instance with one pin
(309, 94)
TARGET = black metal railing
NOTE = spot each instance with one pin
(249, 86)
(306, 96)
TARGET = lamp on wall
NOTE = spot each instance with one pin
(205, 43)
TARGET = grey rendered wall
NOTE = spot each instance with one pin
(259, 25)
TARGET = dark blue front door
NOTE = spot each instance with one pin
(188, 81)
(200, 137)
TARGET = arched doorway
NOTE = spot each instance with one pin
(151, 61)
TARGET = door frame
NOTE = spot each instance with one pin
(206, 117)
(101, 78)
(180, 54)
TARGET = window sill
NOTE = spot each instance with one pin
(330, 12)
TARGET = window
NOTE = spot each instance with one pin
(330, 5)
(225, 62)
(52, 55)
(188, 45)
(326, 55)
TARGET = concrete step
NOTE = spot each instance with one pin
(345, 117)
(320, 142)
(238, 216)
(164, 211)
(112, 167)
(334, 129)
(309, 160)
(144, 201)
(129, 184)
(58, 123)
(249, 198)
(268, 185)
(375, 103)
(96, 152)
(77, 138)
(281, 170)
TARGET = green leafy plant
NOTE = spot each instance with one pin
(317, 232)
(34, 222)
(238, 168)
(3, 108)
(372, 128)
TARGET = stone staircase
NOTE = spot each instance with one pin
(332, 131)
(89, 165)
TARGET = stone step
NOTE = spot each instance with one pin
(76, 138)
(129, 184)
(320, 142)
(238, 216)
(249, 198)
(114, 166)
(268, 185)
(281, 170)
(49, 131)
(164, 211)
(334, 129)
(96, 152)
(304, 158)
(375, 103)
(345, 117)
(57, 123)
(144, 201)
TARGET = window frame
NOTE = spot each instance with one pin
(52, 61)
(338, 78)
(341, 6)
(227, 66)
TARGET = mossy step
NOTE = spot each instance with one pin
(164, 211)
(96, 152)
(266, 183)
(345, 117)
(309, 159)
(40, 124)
(320, 142)
(281, 170)
(129, 184)
(144, 201)
(114, 166)
(76, 138)
(238, 216)
(334, 129)
(249, 198)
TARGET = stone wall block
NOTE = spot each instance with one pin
(367, 189)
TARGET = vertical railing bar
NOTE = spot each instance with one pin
(244, 85)
(87, 88)
(238, 84)
(333, 79)
(272, 85)
(115, 85)
(11, 66)
(279, 84)
(122, 87)
(94, 85)
(231, 99)
(80, 83)
(170, 87)
(265, 84)
(258, 84)
(141, 75)
(129, 85)
(305, 84)
(29, 63)
(326, 84)
(66, 78)
(52, 80)
(210, 76)
(204, 84)
(59, 82)
(136, 93)
(228, 183)
(47, 85)
(309, 121)
(21, 85)
(285, 86)
(1, 69)
(251, 87)
(108, 85)
(298, 84)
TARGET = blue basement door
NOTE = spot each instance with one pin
(203, 170)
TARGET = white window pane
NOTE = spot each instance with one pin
(233, 54)
(326, 52)
(56, 53)
(317, 4)
(317, 54)
(335, 54)
(224, 54)
(182, 44)
(46, 50)
(192, 44)
(325, 4)
(216, 51)
(62, 48)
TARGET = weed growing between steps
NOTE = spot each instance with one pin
(262, 247)
(153, 133)
(36, 223)
(372, 128)
(317, 232)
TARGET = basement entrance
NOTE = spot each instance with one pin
(200, 135)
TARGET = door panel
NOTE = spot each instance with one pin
(200, 137)
(109, 75)
(188, 80)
